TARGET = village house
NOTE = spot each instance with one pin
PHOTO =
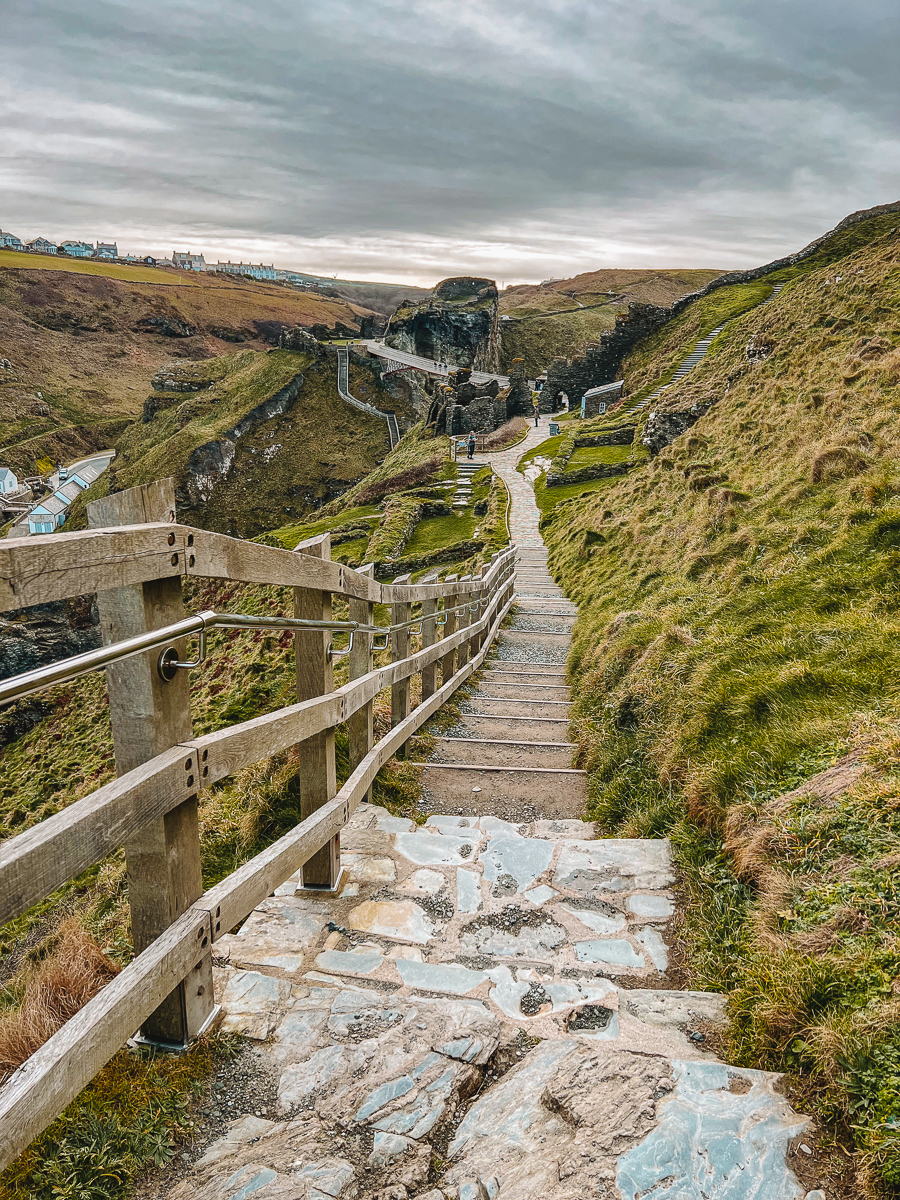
(77, 249)
(10, 241)
(254, 270)
(8, 481)
(40, 245)
(106, 250)
(188, 262)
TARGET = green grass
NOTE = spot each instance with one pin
(87, 266)
(658, 357)
(290, 536)
(134, 1117)
(739, 631)
(585, 456)
(436, 533)
(549, 498)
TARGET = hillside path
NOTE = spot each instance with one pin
(482, 1012)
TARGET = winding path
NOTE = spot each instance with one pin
(482, 1011)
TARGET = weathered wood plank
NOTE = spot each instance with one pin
(401, 611)
(429, 637)
(149, 716)
(38, 861)
(36, 570)
(316, 772)
(52, 1077)
(58, 565)
(361, 660)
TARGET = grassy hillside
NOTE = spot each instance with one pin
(738, 636)
(84, 339)
(239, 467)
(582, 308)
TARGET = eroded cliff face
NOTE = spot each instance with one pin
(457, 325)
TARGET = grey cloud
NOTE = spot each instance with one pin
(438, 129)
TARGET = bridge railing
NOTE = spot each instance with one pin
(136, 558)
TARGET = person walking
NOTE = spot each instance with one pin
(471, 444)
(537, 418)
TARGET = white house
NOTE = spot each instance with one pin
(188, 262)
(40, 245)
(78, 249)
(48, 515)
(10, 241)
(106, 250)
(254, 270)
(8, 481)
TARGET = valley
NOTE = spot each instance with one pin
(705, 589)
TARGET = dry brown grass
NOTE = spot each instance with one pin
(840, 462)
(57, 989)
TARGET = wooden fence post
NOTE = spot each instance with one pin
(429, 637)
(318, 780)
(400, 611)
(148, 716)
(448, 662)
(478, 640)
(361, 660)
(465, 618)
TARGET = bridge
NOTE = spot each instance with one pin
(401, 359)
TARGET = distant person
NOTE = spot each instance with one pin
(537, 418)
(471, 445)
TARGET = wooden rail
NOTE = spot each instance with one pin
(150, 809)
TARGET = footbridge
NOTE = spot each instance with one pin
(416, 362)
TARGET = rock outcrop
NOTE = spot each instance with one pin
(44, 633)
(662, 428)
(457, 325)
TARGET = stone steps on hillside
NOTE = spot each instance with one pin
(481, 1010)
(502, 752)
(471, 988)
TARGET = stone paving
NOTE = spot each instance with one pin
(481, 1011)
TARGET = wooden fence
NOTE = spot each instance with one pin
(135, 557)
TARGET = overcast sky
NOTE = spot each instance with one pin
(415, 139)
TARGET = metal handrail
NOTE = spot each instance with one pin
(168, 662)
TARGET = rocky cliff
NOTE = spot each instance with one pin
(457, 325)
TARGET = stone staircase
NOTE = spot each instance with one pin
(697, 355)
(481, 1012)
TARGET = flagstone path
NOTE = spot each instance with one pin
(481, 1012)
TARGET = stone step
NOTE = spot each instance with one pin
(484, 705)
(512, 691)
(544, 649)
(510, 666)
(531, 729)
(513, 795)
(502, 753)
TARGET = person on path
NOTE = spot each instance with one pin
(537, 418)
(471, 445)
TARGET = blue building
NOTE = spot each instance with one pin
(40, 245)
(77, 249)
(10, 241)
(106, 250)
